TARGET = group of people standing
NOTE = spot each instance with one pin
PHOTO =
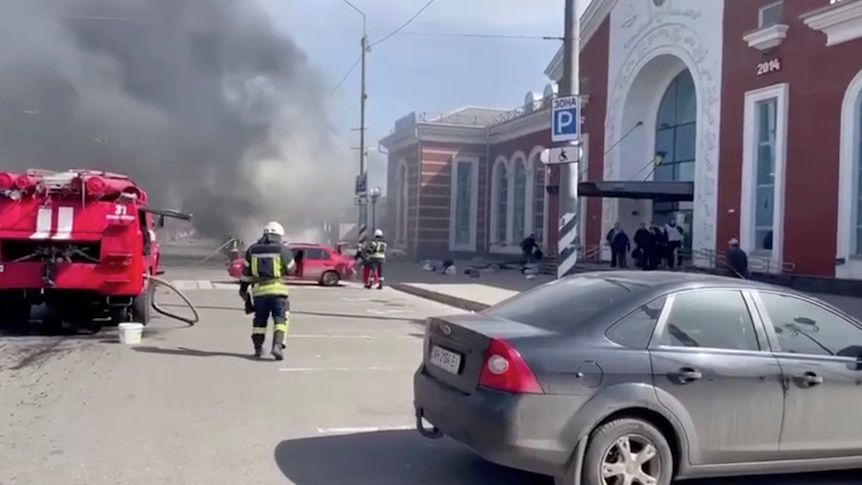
(654, 246)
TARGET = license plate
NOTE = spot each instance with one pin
(446, 360)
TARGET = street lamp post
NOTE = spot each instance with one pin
(374, 194)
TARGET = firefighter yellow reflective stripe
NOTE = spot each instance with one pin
(270, 288)
(258, 330)
(276, 266)
(282, 327)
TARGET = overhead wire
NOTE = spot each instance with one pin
(405, 24)
(382, 39)
(345, 77)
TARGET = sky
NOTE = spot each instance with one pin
(435, 65)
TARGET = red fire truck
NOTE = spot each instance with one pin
(81, 243)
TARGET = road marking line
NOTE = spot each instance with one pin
(184, 285)
(357, 337)
(205, 285)
(364, 429)
(344, 369)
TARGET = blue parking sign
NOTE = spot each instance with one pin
(565, 119)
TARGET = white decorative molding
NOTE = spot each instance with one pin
(841, 21)
(640, 34)
(471, 245)
(748, 199)
(767, 38)
(526, 124)
(849, 160)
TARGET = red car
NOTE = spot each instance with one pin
(314, 262)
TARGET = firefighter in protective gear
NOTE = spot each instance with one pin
(376, 251)
(361, 258)
(266, 264)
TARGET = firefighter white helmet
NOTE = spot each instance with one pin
(378, 233)
(273, 228)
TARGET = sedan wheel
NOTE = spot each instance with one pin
(628, 452)
(330, 278)
(631, 459)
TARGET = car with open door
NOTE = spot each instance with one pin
(647, 377)
(313, 262)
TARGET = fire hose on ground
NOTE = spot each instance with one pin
(156, 281)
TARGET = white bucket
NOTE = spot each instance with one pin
(131, 333)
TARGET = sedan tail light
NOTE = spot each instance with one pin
(505, 370)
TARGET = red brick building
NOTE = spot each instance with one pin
(760, 114)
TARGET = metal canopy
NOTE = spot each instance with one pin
(657, 191)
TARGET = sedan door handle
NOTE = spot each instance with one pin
(808, 379)
(685, 375)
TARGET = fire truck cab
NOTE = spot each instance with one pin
(80, 242)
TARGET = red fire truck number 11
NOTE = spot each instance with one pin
(766, 67)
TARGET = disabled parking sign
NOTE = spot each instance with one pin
(566, 119)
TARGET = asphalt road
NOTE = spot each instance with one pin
(190, 407)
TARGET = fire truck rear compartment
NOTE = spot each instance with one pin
(27, 250)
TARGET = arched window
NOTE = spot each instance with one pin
(501, 201)
(857, 165)
(536, 193)
(519, 200)
(675, 141)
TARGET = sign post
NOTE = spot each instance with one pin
(361, 201)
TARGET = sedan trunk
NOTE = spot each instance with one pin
(455, 346)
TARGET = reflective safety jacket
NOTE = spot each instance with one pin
(266, 264)
(377, 250)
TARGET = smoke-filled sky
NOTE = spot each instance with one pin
(207, 105)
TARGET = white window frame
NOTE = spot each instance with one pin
(849, 161)
(748, 200)
(766, 8)
(495, 245)
(470, 246)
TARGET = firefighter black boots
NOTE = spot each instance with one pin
(257, 340)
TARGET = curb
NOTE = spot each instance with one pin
(453, 301)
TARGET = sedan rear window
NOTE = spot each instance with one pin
(566, 303)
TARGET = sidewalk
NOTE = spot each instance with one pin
(476, 294)
(459, 290)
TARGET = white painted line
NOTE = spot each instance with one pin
(383, 312)
(364, 429)
(225, 286)
(205, 285)
(185, 285)
(355, 337)
(344, 369)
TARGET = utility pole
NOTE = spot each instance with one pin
(362, 178)
(568, 243)
(363, 142)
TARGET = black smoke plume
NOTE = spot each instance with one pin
(205, 103)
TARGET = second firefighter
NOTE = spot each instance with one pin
(375, 253)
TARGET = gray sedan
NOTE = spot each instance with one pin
(640, 378)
